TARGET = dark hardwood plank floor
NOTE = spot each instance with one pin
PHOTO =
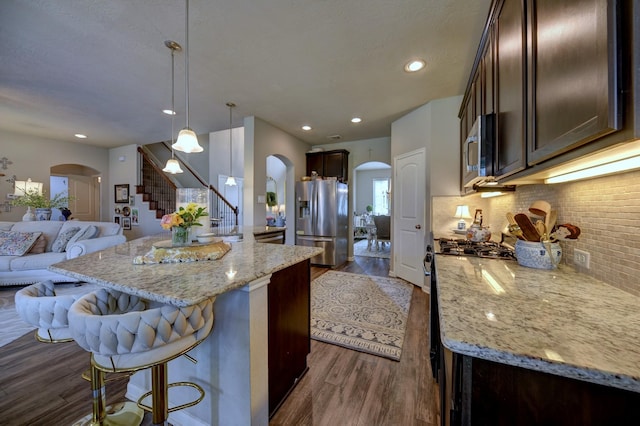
(41, 384)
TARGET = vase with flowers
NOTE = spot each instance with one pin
(181, 221)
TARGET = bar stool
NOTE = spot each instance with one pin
(41, 306)
(125, 333)
(46, 305)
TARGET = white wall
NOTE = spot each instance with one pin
(434, 126)
(261, 140)
(32, 157)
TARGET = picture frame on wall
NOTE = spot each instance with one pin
(126, 223)
(116, 219)
(121, 193)
(134, 217)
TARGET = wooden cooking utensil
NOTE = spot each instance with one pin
(541, 228)
(529, 230)
(514, 229)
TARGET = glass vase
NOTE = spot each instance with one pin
(199, 196)
(179, 236)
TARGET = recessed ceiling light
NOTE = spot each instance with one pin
(414, 65)
(306, 128)
(169, 112)
(356, 119)
(80, 136)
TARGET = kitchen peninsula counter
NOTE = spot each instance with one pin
(560, 323)
(187, 283)
(257, 350)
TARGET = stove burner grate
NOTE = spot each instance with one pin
(486, 249)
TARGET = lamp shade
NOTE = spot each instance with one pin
(22, 187)
(187, 142)
(172, 167)
(462, 212)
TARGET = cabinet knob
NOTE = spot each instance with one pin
(418, 227)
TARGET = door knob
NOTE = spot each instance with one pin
(418, 227)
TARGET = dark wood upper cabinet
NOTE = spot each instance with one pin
(333, 163)
(510, 81)
(573, 67)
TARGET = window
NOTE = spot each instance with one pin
(381, 196)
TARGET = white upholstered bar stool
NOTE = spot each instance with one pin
(125, 333)
(45, 305)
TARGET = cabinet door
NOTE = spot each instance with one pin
(574, 86)
(315, 162)
(335, 165)
(289, 330)
(466, 122)
(487, 77)
(510, 40)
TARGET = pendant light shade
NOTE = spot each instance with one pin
(187, 139)
(231, 181)
(172, 165)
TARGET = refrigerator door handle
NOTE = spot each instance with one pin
(320, 239)
(314, 207)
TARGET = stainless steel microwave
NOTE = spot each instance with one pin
(477, 155)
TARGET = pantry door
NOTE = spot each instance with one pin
(409, 216)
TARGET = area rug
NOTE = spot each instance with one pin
(360, 249)
(360, 312)
(10, 323)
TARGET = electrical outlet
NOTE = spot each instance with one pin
(581, 258)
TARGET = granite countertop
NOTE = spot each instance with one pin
(240, 230)
(557, 321)
(182, 284)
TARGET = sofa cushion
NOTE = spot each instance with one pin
(39, 246)
(6, 226)
(86, 233)
(105, 228)
(30, 262)
(49, 228)
(60, 244)
(5, 263)
(17, 243)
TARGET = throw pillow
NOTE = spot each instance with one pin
(39, 246)
(87, 233)
(17, 243)
(60, 244)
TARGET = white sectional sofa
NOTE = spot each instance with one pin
(54, 242)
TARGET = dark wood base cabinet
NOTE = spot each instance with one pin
(289, 330)
(474, 391)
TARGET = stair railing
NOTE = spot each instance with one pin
(222, 212)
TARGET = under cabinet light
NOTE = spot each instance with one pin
(601, 170)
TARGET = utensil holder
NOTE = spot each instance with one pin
(539, 255)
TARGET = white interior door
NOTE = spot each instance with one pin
(409, 195)
(85, 205)
(233, 194)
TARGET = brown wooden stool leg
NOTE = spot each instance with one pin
(160, 393)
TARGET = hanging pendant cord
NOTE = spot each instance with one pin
(186, 61)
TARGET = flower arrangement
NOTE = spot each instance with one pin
(184, 217)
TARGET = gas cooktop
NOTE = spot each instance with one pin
(487, 249)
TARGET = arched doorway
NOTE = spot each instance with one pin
(371, 197)
(280, 180)
(83, 185)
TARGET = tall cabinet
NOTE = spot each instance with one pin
(553, 74)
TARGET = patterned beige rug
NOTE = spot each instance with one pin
(383, 251)
(360, 312)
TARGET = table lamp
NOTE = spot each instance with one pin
(462, 213)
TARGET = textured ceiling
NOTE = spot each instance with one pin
(101, 67)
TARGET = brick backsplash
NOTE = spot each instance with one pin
(606, 209)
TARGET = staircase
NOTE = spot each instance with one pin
(159, 191)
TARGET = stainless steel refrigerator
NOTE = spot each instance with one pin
(322, 219)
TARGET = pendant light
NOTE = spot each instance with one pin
(187, 139)
(172, 166)
(231, 181)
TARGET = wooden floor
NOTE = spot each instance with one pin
(41, 384)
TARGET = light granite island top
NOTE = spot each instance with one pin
(237, 361)
(554, 321)
(182, 284)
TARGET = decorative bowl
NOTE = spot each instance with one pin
(534, 254)
(207, 238)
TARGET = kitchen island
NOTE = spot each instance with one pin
(516, 345)
(262, 297)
